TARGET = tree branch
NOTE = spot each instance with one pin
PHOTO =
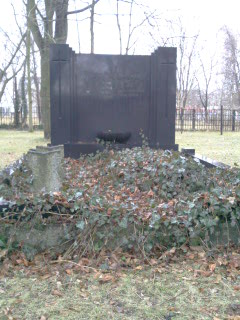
(34, 24)
(83, 9)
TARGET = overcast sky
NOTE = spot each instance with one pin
(206, 15)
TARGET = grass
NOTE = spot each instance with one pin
(225, 148)
(172, 293)
(14, 143)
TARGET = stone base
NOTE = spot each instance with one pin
(75, 150)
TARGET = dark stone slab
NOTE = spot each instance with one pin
(188, 151)
(75, 150)
(209, 163)
(93, 94)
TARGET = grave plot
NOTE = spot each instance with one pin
(139, 199)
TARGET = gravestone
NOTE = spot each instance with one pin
(47, 169)
(115, 98)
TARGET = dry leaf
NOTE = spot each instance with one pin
(19, 261)
(171, 309)
(218, 279)
(25, 262)
(236, 288)
(138, 268)
(150, 193)
(171, 203)
(106, 278)
(212, 267)
(201, 254)
(57, 293)
(121, 174)
(3, 253)
(173, 250)
(69, 271)
(153, 262)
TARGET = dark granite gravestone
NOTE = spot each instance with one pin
(113, 98)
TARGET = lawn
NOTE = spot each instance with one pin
(14, 143)
(225, 148)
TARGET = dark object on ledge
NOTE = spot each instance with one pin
(114, 137)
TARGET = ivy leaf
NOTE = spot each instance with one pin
(80, 225)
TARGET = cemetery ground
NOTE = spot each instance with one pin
(191, 282)
(225, 148)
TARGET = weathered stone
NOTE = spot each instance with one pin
(47, 169)
(36, 237)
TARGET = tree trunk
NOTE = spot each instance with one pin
(30, 123)
(45, 92)
(36, 83)
(16, 104)
(23, 97)
(92, 27)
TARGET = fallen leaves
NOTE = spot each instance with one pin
(69, 271)
(212, 267)
(57, 293)
(236, 288)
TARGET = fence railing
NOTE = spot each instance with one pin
(186, 120)
(214, 120)
(10, 119)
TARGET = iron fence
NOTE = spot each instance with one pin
(186, 120)
(213, 120)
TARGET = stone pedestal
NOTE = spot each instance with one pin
(47, 168)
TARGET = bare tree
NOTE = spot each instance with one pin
(23, 95)
(16, 102)
(92, 10)
(36, 82)
(7, 71)
(119, 27)
(48, 23)
(186, 43)
(231, 67)
(42, 24)
(204, 78)
(28, 59)
(132, 26)
(185, 69)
